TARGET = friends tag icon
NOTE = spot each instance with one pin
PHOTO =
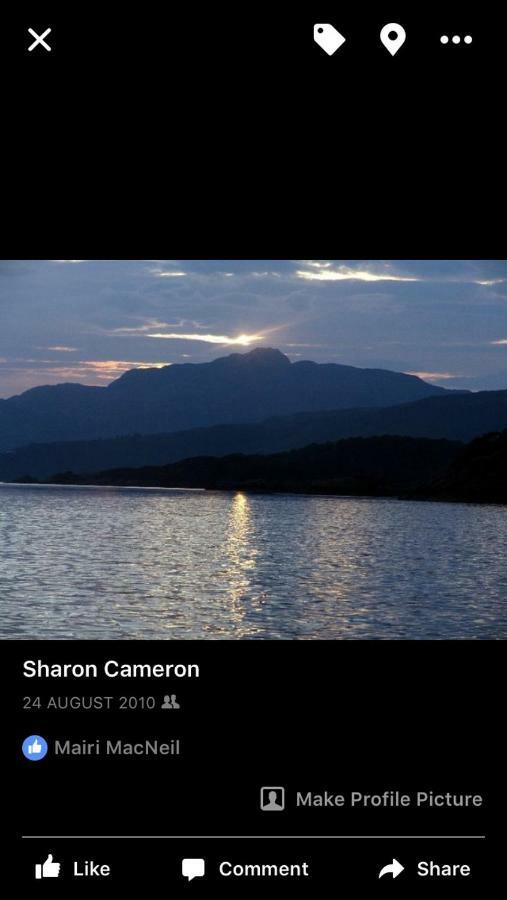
(328, 38)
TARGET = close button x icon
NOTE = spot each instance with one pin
(39, 39)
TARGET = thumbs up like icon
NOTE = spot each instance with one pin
(48, 869)
(34, 747)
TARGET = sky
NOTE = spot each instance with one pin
(89, 321)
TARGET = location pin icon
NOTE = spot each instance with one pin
(392, 37)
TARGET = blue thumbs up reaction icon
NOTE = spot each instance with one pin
(34, 747)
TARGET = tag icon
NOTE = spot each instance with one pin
(327, 37)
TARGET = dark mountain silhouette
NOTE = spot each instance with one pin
(245, 387)
(388, 466)
(452, 416)
(477, 475)
(382, 466)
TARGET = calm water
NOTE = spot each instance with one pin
(120, 563)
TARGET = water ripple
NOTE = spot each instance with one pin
(123, 564)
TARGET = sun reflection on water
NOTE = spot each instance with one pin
(240, 551)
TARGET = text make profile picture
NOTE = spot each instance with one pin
(34, 747)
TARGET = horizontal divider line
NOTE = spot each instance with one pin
(258, 837)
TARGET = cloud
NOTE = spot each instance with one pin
(242, 340)
(59, 349)
(444, 271)
(434, 376)
(146, 327)
(160, 274)
(424, 316)
(87, 371)
(326, 271)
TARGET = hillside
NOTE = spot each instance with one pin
(477, 475)
(245, 388)
(451, 416)
(382, 466)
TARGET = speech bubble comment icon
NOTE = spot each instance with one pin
(192, 868)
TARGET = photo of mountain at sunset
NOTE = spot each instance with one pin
(253, 449)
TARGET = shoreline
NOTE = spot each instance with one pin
(252, 491)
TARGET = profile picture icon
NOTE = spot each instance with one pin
(272, 799)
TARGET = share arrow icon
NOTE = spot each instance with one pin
(395, 868)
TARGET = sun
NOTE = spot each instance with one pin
(245, 340)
